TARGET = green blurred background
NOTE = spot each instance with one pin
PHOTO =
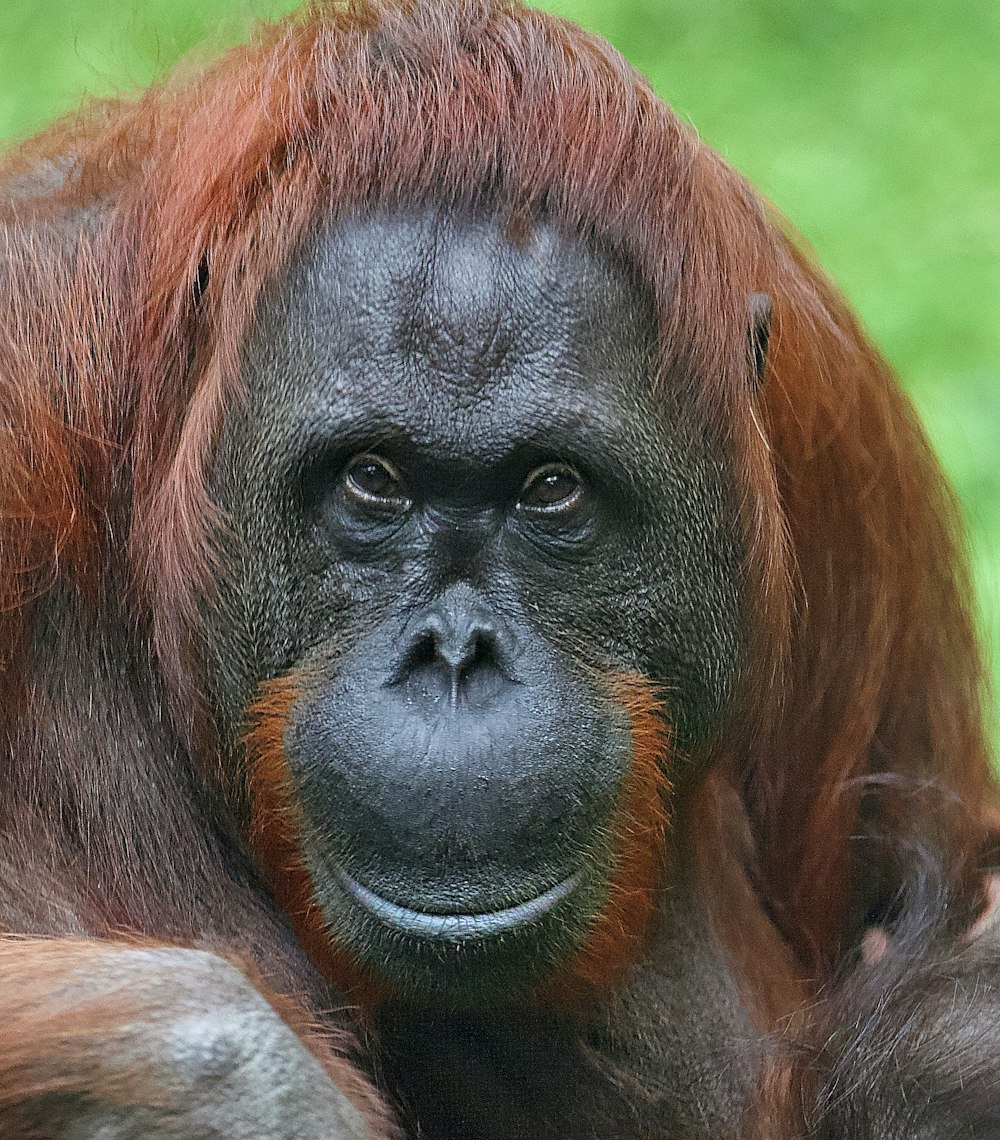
(875, 128)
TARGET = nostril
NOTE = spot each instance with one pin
(452, 661)
(424, 651)
(463, 654)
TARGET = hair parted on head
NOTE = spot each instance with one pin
(116, 372)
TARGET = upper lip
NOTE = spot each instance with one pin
(457, 927)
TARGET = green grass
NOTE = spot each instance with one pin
(874, 127)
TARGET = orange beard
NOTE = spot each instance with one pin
(638, 850)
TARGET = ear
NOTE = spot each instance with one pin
(759, 308)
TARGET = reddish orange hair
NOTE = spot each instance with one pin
(861, 653)
(639, 854)
(274, 836)
(639, 840)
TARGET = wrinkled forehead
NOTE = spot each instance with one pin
(445, 319)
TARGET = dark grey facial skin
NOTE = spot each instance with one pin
(456, 750)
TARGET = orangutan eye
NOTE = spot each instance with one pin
(374, 481)
(551, 489)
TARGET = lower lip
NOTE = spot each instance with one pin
(458, 927)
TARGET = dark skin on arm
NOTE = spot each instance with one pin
(484, 645)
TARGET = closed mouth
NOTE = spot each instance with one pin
(457, 927)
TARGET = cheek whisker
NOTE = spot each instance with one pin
(485, 645)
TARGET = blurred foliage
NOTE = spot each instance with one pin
(874, 127)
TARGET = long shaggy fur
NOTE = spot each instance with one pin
(134, 245)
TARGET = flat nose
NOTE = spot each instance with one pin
(455, 653)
